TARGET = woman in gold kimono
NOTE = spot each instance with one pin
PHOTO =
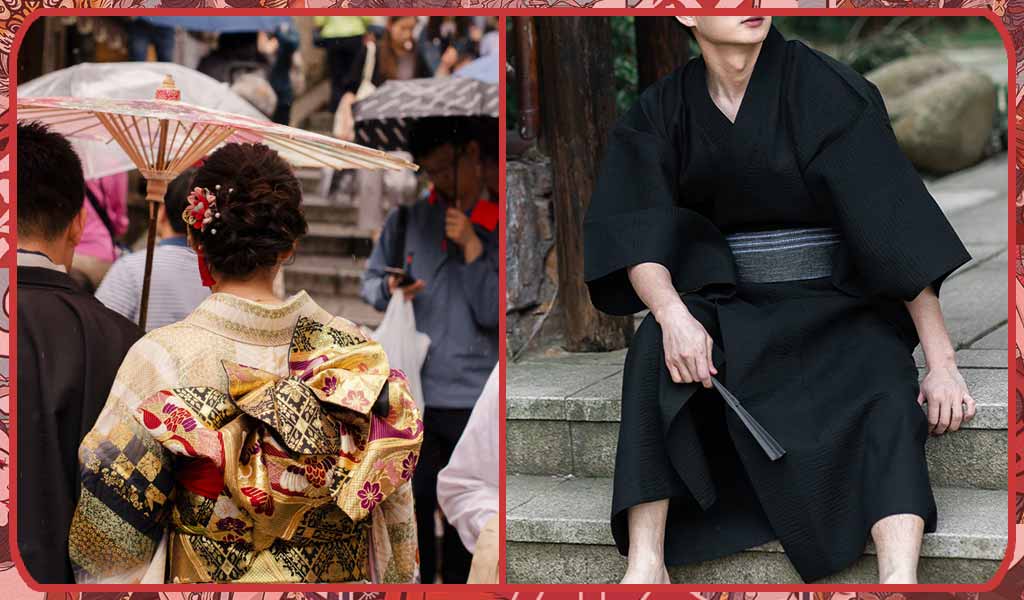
(255, 441)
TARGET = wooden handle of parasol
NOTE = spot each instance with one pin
(155, 190)
(147, 277)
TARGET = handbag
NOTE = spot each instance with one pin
(366, 86)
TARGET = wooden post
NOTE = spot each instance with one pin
(661, 46)
(578, 109)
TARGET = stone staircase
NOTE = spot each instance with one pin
(562, 427)
(331, 258)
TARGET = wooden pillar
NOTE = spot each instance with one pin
(661, 46)
(577, 94)
(56, 43)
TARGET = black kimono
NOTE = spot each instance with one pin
(69, 349)
(824, 364)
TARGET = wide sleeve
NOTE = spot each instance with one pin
(896, 239)
(467, 488)
(636, 214)
(126, 484)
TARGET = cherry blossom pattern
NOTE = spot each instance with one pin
(370, 496)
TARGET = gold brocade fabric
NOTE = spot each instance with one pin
(293, 478)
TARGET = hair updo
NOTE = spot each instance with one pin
(260, 218)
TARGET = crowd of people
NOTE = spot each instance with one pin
(214, 446)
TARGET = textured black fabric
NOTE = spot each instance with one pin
(69, 349)
(442, 428)
(825, 365)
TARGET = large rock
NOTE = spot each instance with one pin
(947, 122)
(942, 114)
(906, 74)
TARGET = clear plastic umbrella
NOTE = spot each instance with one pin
(131, 81)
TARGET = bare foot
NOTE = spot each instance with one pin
(899, 579)
(646, 574)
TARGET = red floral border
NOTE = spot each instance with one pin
(13, 15)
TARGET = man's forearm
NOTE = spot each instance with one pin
(653, 283)
(926, 312)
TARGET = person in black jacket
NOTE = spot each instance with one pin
(69, 349)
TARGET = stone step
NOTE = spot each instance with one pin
(562, 419)
(320, 210)
(325, 275)
(312, 180)
(351, 308)
(974, 301)
(557, 532)
(332, 239)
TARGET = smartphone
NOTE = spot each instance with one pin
(404, 278)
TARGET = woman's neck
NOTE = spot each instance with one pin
(257, 289)
(729, 68)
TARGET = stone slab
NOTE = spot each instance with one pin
(538, 447)
(563, 564)
(601, 402)
(998, 339)
(973, 358)
(553, 379)
(972, 523)
(982, 224)
(975, 303)
(971, 458)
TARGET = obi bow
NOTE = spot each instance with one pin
(340, 427)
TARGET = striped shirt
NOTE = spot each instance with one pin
(175, 292)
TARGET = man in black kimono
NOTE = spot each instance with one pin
(757, 202)
(69, 349)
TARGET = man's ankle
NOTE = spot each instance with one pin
(646, 561)
(894, 578)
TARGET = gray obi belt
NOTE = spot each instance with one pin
(774, 257)
(784, 254)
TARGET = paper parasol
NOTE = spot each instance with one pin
(165, 136)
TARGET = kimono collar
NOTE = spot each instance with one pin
(760, 95)
(253, 323)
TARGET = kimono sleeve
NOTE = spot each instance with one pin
(897, 241)
(636, 215)
(126, 485)
(467, 488)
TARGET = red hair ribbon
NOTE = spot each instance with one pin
(204, 270)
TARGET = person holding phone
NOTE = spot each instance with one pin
(448, 242)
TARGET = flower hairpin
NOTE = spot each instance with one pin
(202, 209)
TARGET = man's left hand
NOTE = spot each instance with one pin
(949, 403)
(458, 227)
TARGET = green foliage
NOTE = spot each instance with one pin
(624, 67)
(866, 43)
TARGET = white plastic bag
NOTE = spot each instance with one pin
(406, 348)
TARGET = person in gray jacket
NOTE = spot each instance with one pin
(447, 243)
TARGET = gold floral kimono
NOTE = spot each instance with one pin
(251, 443)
